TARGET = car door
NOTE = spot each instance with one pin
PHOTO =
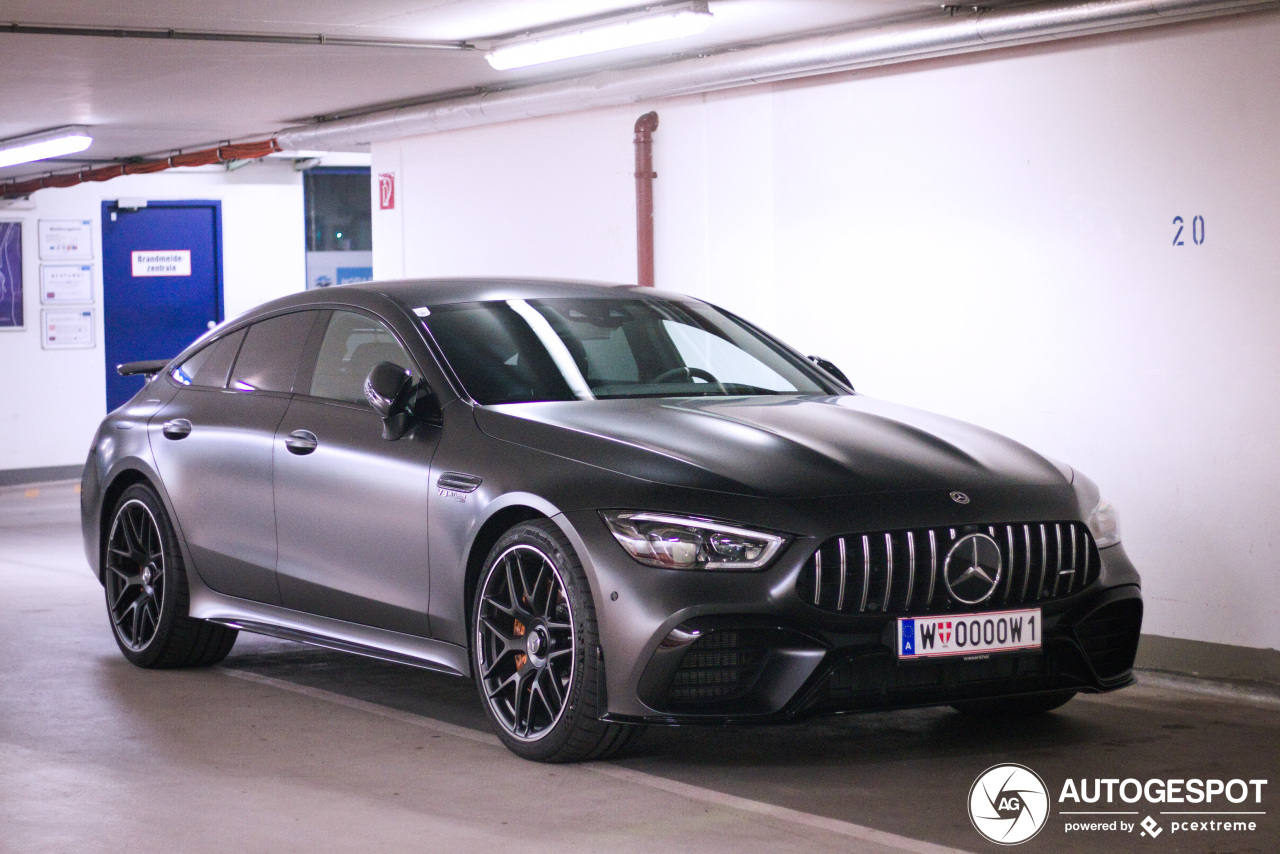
(214, 451)
(351, 507)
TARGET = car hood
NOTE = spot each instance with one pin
(788, 446)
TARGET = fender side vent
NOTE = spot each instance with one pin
(455, 481)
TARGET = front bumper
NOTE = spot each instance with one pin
(704, 647)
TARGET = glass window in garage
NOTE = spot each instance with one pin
(339, 225)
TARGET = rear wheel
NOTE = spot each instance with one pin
(535, 649)
(147, 593)
(1015, 706)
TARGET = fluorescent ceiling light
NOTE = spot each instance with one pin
(661, 24)
(43, 145)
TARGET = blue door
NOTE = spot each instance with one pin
(162, 283)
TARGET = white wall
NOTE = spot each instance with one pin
(54, 399)
(988, 236)
(551, 198)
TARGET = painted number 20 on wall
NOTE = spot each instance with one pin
(1197, 231)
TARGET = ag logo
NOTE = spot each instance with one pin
(1008, 804)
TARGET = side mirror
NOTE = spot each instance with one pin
(830, 368)
(389, 389)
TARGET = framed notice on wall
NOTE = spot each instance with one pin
(67, 328)
(11, 311)
(66, 283)
(66, 239)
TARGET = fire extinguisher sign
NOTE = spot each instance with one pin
(387, 191)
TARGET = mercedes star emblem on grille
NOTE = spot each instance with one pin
(959, 498)
(972, 569)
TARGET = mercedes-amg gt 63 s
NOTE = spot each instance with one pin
(609, 506)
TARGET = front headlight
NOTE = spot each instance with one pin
(1104, 524)
(679, 542)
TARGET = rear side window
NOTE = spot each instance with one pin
(272, 348)
(210, 365)
(353, 345)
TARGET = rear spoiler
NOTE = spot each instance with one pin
(148, 368)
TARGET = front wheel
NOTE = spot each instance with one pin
(146, 590)
(535, 649)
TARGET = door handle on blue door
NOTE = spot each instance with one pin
(178, 428)
(301, 442)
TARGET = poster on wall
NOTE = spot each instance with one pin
(66, 283)
(11, 315)
(66, 239)
(338, 268)
(67, 328)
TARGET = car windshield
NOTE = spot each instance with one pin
(516, 351)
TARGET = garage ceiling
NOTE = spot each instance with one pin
(152, 97)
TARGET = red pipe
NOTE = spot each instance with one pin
(205, 157)
(645, 126)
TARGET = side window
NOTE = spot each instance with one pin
(353, 345)
(268, 360)
(210, 365)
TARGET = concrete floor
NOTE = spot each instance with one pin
(289, 748)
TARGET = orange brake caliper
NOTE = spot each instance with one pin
(521, 658)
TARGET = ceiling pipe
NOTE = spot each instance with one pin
(943, 35)
(645, 126)
(227, 36)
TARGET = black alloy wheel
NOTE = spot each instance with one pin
(535, 649)
(135, 579)
(147, 592)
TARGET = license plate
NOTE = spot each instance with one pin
(968, 634)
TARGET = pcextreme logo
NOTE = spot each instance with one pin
(1010, 803)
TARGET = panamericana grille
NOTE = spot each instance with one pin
(901, 572)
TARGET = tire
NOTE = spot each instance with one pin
(1015, 706)
(535, 650)
(146, 589)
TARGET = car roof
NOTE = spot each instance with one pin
(411, 294)
(426, 292)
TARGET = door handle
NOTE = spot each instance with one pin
(178, 428)
(301, 442)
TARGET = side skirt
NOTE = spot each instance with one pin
(275, 621)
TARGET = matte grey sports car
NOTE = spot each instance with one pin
(610, 506)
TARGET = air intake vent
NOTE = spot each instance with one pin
(902, 572)
(1110, 637)
(717, 666)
